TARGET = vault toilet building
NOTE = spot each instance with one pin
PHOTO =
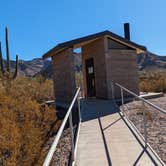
(105, 57)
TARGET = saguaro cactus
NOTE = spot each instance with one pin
(7, 74)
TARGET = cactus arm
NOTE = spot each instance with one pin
(1, 60)
(16, 68)
(7, 52)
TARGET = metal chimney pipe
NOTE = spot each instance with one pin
(127, 31)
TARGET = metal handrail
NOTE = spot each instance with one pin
(146, 101)
(144, 111)
(60, 131)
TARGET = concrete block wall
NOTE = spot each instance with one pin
(121, 67)
(64, 76)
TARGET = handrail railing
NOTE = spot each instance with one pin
(122, 90)
(140, 98)
(60, 131)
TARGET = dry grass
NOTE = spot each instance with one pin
(24, 126)
(153, 82)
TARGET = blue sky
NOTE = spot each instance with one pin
(35, 26)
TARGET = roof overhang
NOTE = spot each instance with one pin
(76, 43)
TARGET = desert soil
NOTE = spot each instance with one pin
(156, 122)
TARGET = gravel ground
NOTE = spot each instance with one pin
(156, 123)
(63, 149)
(61, 155)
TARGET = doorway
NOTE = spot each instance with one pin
(90, 77)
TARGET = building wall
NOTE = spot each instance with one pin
(121, 67)
(96, 50)
(115, 45)
(64, 75)
(115, 64)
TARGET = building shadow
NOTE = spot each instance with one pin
(95, 108)
(105, 144)
(143, 145)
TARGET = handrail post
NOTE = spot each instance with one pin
(112, 89)
(72, 136)
(122, 97)
(79, 109)
(145, 122)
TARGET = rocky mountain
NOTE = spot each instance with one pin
(32, 67)
(38, 66)
(150, 61)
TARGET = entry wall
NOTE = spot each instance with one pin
(96, 50)
(64, 75)
(121, 67)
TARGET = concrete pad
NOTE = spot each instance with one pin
(151, 95)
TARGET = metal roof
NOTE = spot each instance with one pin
(79, 41)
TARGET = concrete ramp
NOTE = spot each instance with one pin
(105, 139)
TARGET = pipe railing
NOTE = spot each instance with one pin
(144, 101)
(140, 98)
(122, 90)
(68, 115)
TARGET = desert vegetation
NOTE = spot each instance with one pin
(78, 79)
(153, 81)
(25, 124)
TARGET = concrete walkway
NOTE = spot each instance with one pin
(106, 140)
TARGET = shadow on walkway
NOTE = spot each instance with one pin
(93, 109)
(96, 109)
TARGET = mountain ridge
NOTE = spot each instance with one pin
(37, 66)
(150, 61)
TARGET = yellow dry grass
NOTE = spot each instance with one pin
(24, 125)
(153, 82)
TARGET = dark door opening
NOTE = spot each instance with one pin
(90, 77)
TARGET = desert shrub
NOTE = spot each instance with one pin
(24, 125)
(78, 78)
(153, 82)
(33, 88)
